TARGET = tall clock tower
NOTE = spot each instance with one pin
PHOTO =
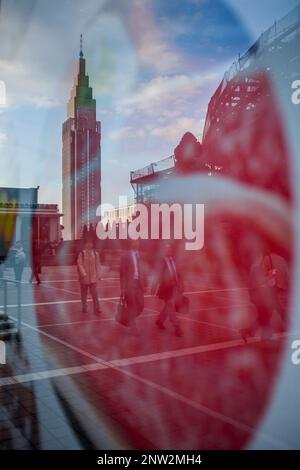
(81, 157)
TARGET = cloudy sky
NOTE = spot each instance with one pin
(153, 65)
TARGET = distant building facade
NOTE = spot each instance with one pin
(81, 157)
(120, 214)
(23, 218)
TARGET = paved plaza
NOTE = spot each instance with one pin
(80, 381)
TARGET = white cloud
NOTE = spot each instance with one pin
(38, 53)
(123, 43)
(157, 55)
(112, 161)
(166, 94)
(37, 70)
(29, 66)
(128, 132)
(121, 132)
(164, 109)
(3, 137)
(175, 130)
(152, 47)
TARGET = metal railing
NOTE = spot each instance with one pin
(164, 164)
(3, 283)
(280, 28)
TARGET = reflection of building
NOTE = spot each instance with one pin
(81, 157)
(21, 216)
(120, 214)
(242, 97)
(276, 51)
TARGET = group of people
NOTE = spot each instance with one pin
(18, 259)
(167, 285)
(267, 287)
(268, 281)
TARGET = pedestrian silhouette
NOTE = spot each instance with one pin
(169, 287)
(88, 265)
(132, 283)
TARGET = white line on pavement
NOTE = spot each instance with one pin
(119, 365)
(199, 292)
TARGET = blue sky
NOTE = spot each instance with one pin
(153, 65)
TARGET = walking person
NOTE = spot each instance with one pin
(170, 289)
(132, 283)
(88, 265)
(35, 262)
(278, 275)
(19, 260)
(263, 295)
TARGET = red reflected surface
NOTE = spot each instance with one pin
(213, 396)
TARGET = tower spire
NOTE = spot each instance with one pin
(81, 52)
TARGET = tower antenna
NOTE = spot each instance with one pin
(81, 52)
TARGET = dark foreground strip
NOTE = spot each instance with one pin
(143, 459)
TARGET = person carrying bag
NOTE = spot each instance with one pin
(122, 314)
(170, 290)
(132, 285)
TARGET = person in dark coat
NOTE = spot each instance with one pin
(170, 288)
(19, 260)
(35, 262)
(132, 283)
(263, 294)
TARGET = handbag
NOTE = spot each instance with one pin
(182, 305)
(122, 315)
